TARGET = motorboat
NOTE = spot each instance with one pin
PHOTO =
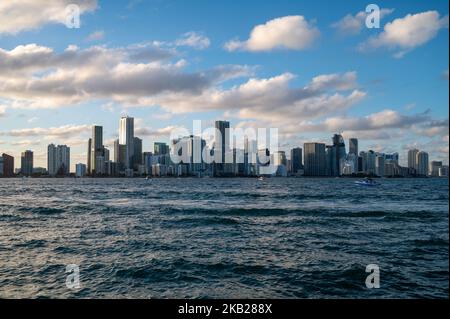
(367, 182)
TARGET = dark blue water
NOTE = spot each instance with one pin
(224, 238)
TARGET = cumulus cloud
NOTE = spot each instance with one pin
(407, 33)
(33, 76)
(290, 32)
(21, 15)
(193, 39)
(353, 24)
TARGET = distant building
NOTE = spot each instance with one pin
(315, 160)
(96, 149)
(422, 163)
(58, 160)
(379, 165)
(137, 153)
(412, 158)
(160, 148)
(443, 171)
(26, 160)
(335, 155)
(126, 137)
(7, 169)
(296, 160)
(353, 146)
(434, 169)
(80, 170)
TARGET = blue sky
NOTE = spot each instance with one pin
(313, 70)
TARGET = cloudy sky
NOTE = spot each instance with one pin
(309, 68)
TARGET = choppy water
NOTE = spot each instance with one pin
(223, 238)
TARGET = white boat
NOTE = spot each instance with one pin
(367, 182)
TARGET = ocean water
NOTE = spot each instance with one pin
(223, 238)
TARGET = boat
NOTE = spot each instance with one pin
(261, 178)
(367, 182)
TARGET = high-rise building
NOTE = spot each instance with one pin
(379, 164)
(160, 148)
(422, 163)
(58, 160)
(26, 160)
(296, 160)
(353, 146)
(336, 155)
(221, 147)
(137, 157)
(434, 168)
(315, 159)
(371, 163)
(126, 137)
(8, 165)
(412, 158)
(80, 170)
(89, 155)
(96, 147)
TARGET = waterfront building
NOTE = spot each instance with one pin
(26, 160)
(58, 160)
(126, 138)
(412, 158)
(296, 160)
(137, 153)
(80, 170)
(7, 169)
(422, 163)
(434, 168)
(315, 159)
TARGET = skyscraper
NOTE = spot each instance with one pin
(137, 157)
(296, 160)
(435, 165)
(160, 148)
(8, 165)
(89, 156)
(221, 146)
(126, 137)
(26, 160)
(315, 159)
(353, 146)
(412, 158)
(96, 147)
(422, 163)
(58, 160)
(337, 155)
(379, 164)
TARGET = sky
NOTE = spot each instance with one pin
(308, 68)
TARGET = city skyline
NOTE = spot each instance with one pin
(334, 76)
(228, 153)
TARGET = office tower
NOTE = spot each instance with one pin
(435, 166)
(296, 160)
(280, 162)
(221, 147)
(393, 158)
(58, 160)
(26, 167)
(379, 164)
(371, 163)
(422, 163)
(89, 155)
(412, 158)
(315, 159)
(443, 171)
(336, 155)
(160, 148)
(147, 161)
(8, 165)
(51, 160)
(99, 165)
(96, 147)
(80, 170)
(353, 146)
(126, 137)
(137, 157)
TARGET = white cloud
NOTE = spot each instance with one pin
(290, 32)
(407, 33)
(96, 36)
(33, 76)
(22, 15)
(62, 131)
(193, 39)
(2, 110)
(353, 24)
